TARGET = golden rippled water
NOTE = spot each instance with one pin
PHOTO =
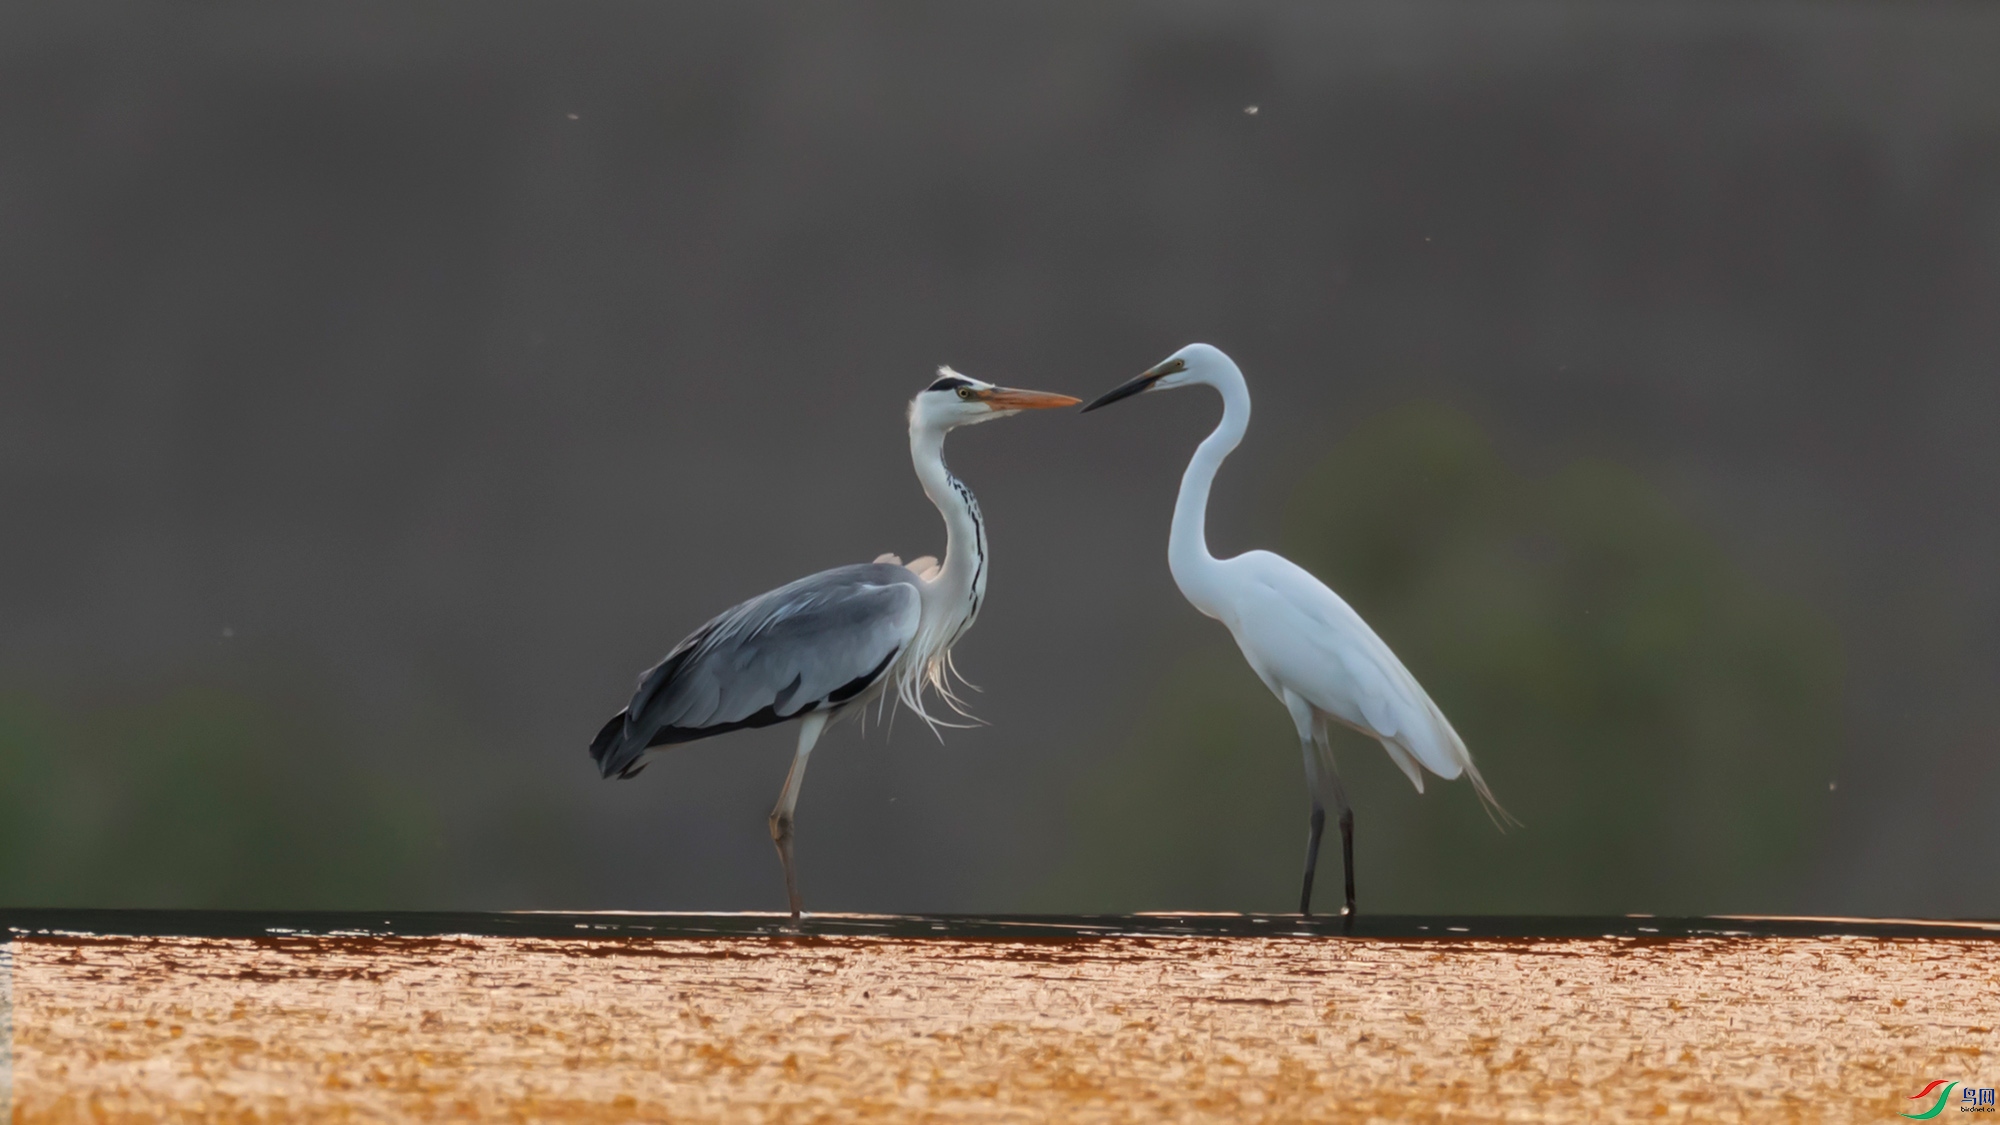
(1100, 1029)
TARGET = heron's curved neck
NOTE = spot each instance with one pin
(1187, 545)
(962, 577)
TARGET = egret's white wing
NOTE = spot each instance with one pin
(1296, 630)
(1404, 762)
(814, 644)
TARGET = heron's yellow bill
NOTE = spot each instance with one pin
(1007, 398)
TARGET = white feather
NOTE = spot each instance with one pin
(1299, 636)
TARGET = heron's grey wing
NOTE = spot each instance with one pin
(812, 645)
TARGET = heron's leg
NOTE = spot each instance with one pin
(788, 799)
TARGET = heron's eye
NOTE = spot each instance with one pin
(965, 393)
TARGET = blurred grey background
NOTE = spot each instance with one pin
(383, 385)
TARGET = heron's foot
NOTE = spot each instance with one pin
(781, 835)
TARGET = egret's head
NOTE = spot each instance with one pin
(1196, 363)
(960, 400)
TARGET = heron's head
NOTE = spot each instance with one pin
(960, 400)
(1196, 363)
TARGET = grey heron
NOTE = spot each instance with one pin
(830, 643)
(1304, 642)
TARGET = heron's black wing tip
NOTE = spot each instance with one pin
(608, 749)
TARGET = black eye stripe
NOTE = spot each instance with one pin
(949, 382)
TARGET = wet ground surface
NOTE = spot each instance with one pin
(131, 1016)
(556, 924)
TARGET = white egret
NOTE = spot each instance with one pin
(1307, 645)
(828, 644)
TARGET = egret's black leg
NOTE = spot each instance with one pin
(1347, 854)
(1312, 862)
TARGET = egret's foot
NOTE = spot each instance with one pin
(1347, 854)
(1312, 860)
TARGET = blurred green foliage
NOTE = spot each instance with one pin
(1664, 724)
(200, 798)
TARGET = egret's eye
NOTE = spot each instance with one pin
(965, 393)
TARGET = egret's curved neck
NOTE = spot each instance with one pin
(1187, 546)
(962, 578)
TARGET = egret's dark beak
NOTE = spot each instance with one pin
(1135, 386)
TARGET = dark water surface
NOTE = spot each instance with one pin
(599, 924)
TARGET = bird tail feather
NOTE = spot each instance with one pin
(1444, 747)
(615, 750)
(1495, 811)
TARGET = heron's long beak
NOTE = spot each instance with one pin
(1008, 398)
(1132, 386)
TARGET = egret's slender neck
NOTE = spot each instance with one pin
(1187, 546)
(962, 578)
